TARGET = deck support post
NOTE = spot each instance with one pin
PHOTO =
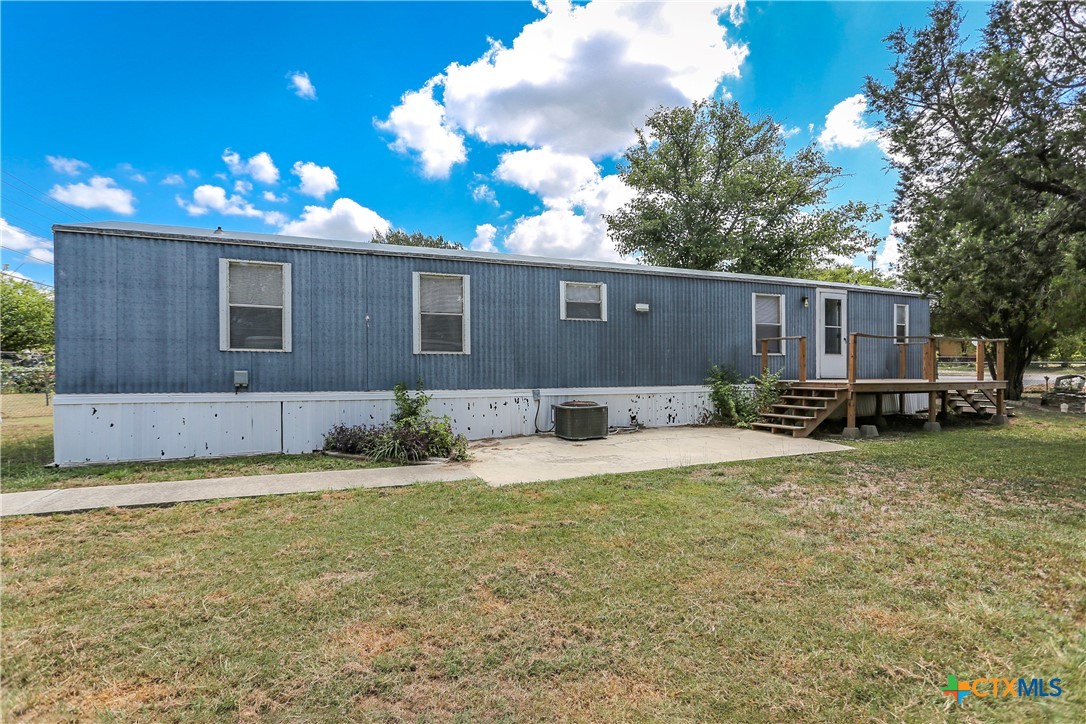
(880, 421)
(931, 425)
(901, 403)
(943, 404)
(980, 360)
(851, 432)
(1000, 418)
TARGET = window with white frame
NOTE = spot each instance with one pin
(442, 313)
(901, 323)
(254, 306)
(585, 301)
(768, 317)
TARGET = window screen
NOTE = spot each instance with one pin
(442, 308)
(257, 306)
(584, 301)
(901, 323)
(768, 322)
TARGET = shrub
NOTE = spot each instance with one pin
(733, 403)
(30, 371)
(412, 435)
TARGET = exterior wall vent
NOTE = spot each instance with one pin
(580, 420)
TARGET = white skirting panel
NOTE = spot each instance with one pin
(107, 428)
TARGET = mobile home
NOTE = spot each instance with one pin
(179, 342)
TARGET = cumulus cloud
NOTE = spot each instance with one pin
(241, 186)
(889, 256)
(316, 181)
(578, 81)
(545, 172)
(67, 166)
(15, 238)
(845, 126)
(207, 198)
(419, 125)
(484, 238)
(100, 193)
(270, 196)
(260, 167)
(346, 219)
(303, 87)
(173, 179)
(572, 225)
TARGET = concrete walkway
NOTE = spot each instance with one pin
(180, 491)
(545, 457)
(497, 462)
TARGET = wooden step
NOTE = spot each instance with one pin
(776, 426)
(821, 401)
(785, 416)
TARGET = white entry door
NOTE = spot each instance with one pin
(832, 344)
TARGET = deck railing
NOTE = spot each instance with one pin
(929, 350)
(802, 342)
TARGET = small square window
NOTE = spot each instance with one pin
(584, 301)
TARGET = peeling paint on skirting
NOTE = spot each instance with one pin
(106, 428)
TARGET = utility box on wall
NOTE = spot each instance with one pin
(580, 420)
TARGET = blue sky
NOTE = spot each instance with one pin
(495, 124)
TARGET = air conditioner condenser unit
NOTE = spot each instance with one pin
(580, 420)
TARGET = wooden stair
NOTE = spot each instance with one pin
(968, 402)
(801, 409)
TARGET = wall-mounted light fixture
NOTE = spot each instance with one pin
(641, 307)
(806, 302)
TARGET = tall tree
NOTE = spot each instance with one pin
(417, 238)
(990, 142)
(26, 316)
(717, 191)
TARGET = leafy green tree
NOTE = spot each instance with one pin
(990, 143)
(848, 274)
(26, 316)
(400, 237)
(717, 191)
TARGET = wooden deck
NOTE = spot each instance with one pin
(807, 403)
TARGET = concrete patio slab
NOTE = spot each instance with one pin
(545, 457)
(180, 491)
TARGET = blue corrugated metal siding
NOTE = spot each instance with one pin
(141, 315)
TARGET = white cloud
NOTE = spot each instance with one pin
(484, 238)
(419, 125)
(572, 226)
(303, 87)
(193, 173)
(67, 166)
(316, 181)
(36, 248)
(545, 172)
(483, 193)
(578, 80)
(133, 174)
(206, 198)
(845, 126)
(346, 219)
(173, 179)
(270, 196)
(787, 132)
(241, 186)
(260, 167)
(889, 256)
(100, 193)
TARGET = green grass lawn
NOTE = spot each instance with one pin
(835, 587)
(27, 440)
